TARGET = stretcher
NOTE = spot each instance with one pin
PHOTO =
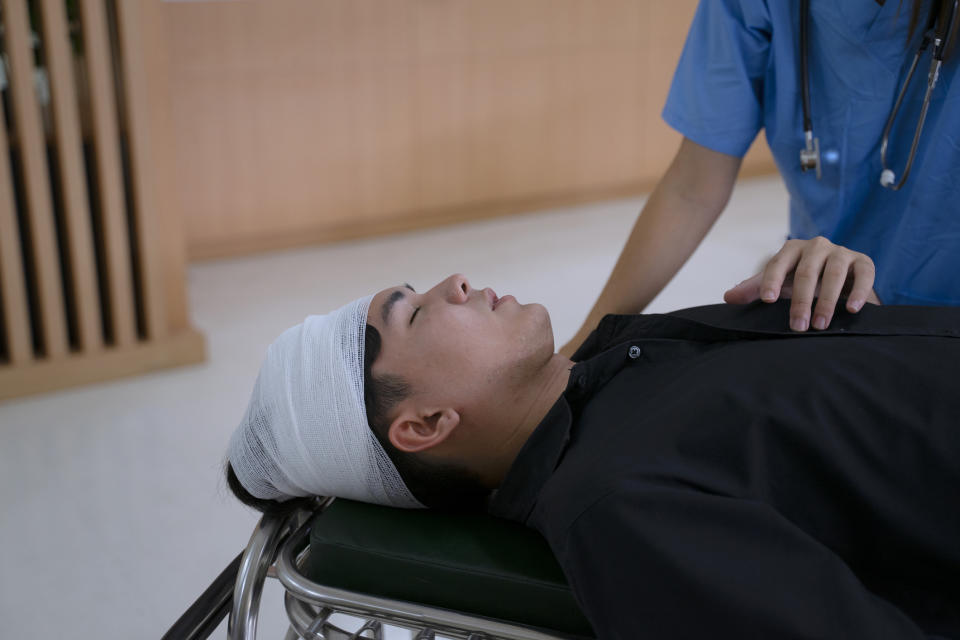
(436, 575)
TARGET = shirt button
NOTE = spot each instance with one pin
(634, 352)
(582, 382)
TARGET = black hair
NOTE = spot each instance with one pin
(435, 485)
(268, 507)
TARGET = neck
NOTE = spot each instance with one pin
(522, 414)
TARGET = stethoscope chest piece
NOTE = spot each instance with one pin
(810, 155)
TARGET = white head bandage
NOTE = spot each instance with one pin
(305, 431)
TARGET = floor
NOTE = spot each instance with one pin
(113, 513)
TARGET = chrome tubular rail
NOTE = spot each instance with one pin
(255, 566)
(313, 624)
(257, 559)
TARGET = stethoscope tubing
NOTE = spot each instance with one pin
(885, 140)
(810, 154)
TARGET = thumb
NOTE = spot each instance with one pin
(745, 292)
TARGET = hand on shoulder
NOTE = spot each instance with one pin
(807, 269)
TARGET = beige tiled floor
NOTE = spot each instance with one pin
(113, 514)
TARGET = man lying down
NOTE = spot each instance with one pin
(704, 473)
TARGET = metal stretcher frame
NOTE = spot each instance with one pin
(278, 548)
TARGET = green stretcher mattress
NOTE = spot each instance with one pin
(471, 563)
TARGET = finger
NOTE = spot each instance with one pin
(805, 281)
(777, 269)
(863, 276)
(835, 273)
(745, 292)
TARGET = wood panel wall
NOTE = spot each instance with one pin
(301, 121)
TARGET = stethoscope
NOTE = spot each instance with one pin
(939, 32)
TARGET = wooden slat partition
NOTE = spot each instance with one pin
(32, 147)
(119, 252)
(79, 240)
(131, 39)
(106, 142)
(12, 288)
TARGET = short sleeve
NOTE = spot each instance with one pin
(716, 98)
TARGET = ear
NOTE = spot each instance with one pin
(413, 431)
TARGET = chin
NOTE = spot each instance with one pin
(544, 328)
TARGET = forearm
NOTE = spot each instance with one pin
(679, 213)
(665, 235)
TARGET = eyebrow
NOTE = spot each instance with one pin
(392, 300)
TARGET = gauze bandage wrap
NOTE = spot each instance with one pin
(305, 431)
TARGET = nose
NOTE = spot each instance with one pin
(458, 288)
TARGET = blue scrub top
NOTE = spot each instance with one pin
(740, 72)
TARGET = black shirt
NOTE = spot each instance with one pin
(709, 474)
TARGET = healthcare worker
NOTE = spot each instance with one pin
(742, 69)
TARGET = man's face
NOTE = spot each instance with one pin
(459, 345)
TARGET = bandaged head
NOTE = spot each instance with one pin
(305, 431)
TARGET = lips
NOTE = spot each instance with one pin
(491, 298)
(495, 301)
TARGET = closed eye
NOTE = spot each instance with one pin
(414, 314)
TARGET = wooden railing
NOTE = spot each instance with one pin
(91, 280)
